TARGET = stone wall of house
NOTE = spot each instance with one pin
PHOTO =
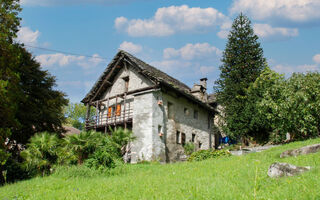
(136, 81)
(184, 121)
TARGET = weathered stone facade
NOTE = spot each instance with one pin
(163, 118)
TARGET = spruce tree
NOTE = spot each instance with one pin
(242, 63)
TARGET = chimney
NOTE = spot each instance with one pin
(203, 82)
(200, 90)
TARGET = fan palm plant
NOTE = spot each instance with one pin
(83, 144)
(42, 152)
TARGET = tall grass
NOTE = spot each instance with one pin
(235, 177)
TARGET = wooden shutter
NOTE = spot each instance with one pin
(118, 110)
(109, 111)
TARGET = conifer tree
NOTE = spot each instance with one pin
(242, 63)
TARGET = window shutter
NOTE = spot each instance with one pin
(109, 111)
(118, 110)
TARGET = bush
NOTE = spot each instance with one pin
(101, 159)
(189, 148)
(208, 154)
(42, 152)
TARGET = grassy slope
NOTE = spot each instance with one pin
(225, 178)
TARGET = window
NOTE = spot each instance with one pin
(193, 137)
(126, 83)
(200, 144)
(178, 137)
(186, 111)
(183, 139)
(195, 114)
(170, 110)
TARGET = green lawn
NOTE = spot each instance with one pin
(243, 177)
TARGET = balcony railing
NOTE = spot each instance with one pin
(103, 120)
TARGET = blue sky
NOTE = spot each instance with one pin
(183, 38)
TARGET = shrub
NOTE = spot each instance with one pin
(189, 148)
(207, 154)
(101, 159)
(42, 152)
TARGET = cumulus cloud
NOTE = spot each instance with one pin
(28, 36)
(290, 10)
(192, 51)
(131, 47)
(288, 70)
(316, 58)
(72, 2)
(62, 60)
(173, 19)
(204, 70)
(267, 31)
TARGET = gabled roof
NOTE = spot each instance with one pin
(152, 73)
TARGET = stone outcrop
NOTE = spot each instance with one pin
(301, 151)
(284, 169)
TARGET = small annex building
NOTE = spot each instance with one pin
(163, 113)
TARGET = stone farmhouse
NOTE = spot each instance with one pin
(163, 113)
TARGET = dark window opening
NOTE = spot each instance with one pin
(193, 137)
(126, 83)
(200, 145)
(186, 111)
(183, 139)
(195, 114)
(178, 137)
(170, 110)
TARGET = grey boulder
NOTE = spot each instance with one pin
(301, 151)
(284, 169)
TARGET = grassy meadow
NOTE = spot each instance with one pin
(235, 177)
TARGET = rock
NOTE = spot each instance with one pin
(301, 151)
(284, 169)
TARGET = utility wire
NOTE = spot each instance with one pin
(64, 52)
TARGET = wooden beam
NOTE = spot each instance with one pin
(128, 93)
(107, 77)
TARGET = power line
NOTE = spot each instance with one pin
(64, 52)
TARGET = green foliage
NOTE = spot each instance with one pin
(292, 106)
(189, 148)
(208, 154)
(100, 150)
(42, 152)
(242, 63)
(83, 144)
(101, 159)
(120, 138)
(76, 114)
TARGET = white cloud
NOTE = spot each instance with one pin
(72, 2)
(173, 19)
(204, 70)
(316, 58)
(291, 10)
(267, 31)
(171, 65)
(287, 69)
(192, 51)
(27, 36)
(62, 60)
(131, 47)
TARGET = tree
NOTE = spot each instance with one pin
(263, 97)
(9, 78)
(76, 114)
(242, 63)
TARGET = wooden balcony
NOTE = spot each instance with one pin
(110, 119)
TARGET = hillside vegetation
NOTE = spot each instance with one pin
(243, 177)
